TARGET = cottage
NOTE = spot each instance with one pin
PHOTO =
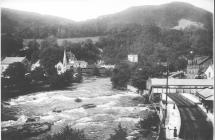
(9, 60)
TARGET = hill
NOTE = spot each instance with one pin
(164, 16)
(32, 25)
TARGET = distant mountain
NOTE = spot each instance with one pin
(32, 25)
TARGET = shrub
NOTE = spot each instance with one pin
(149, 123)
(120, 134)
(68, 134)
(60, 81)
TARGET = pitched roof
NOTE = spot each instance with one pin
(181, 82)
(205, 93)
(202, 59)
(211, 98)
(10, 60)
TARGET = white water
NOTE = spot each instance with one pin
(112, 107)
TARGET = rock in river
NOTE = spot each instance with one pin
(86, 106)
(26, 130)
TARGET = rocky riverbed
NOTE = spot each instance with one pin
(92, 106)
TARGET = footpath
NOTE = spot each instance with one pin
(194, 99)
(173, 119)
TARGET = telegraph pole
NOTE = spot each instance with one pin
(167, 80)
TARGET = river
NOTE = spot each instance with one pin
(112, 107)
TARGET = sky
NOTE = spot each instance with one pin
(80, 10)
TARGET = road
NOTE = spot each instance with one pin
(193, 120)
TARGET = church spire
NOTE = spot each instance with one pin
(64, 60)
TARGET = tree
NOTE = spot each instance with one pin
(140, 76)
(121, 76)
(60, 81)
(33, 52)
(16, 74)
(38, 74)
(49, 57)
(10, 45)
(149, 123)
(90, 52)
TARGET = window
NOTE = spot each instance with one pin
(209, 75)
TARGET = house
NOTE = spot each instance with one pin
(89, 69)
(9, 60)
(78, 64)
(198, 66)
(73, 62)
(133, 58)
(210, 72)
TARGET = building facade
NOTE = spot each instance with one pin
(198, 66)
(72, 63)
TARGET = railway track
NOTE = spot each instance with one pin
(194, 125)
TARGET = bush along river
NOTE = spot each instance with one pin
(92, 106)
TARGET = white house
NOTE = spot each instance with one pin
(133, 58)
(78, 64)
(210, 72)
(9, 60)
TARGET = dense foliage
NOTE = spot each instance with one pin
(10, 45)
(150, 123)
(68, 134)
(60, 81)
(87, 50)
(14, 75)
(154, 45)
(38, 74)
(120, 134)
(120, 76)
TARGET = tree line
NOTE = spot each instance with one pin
(154, 46)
